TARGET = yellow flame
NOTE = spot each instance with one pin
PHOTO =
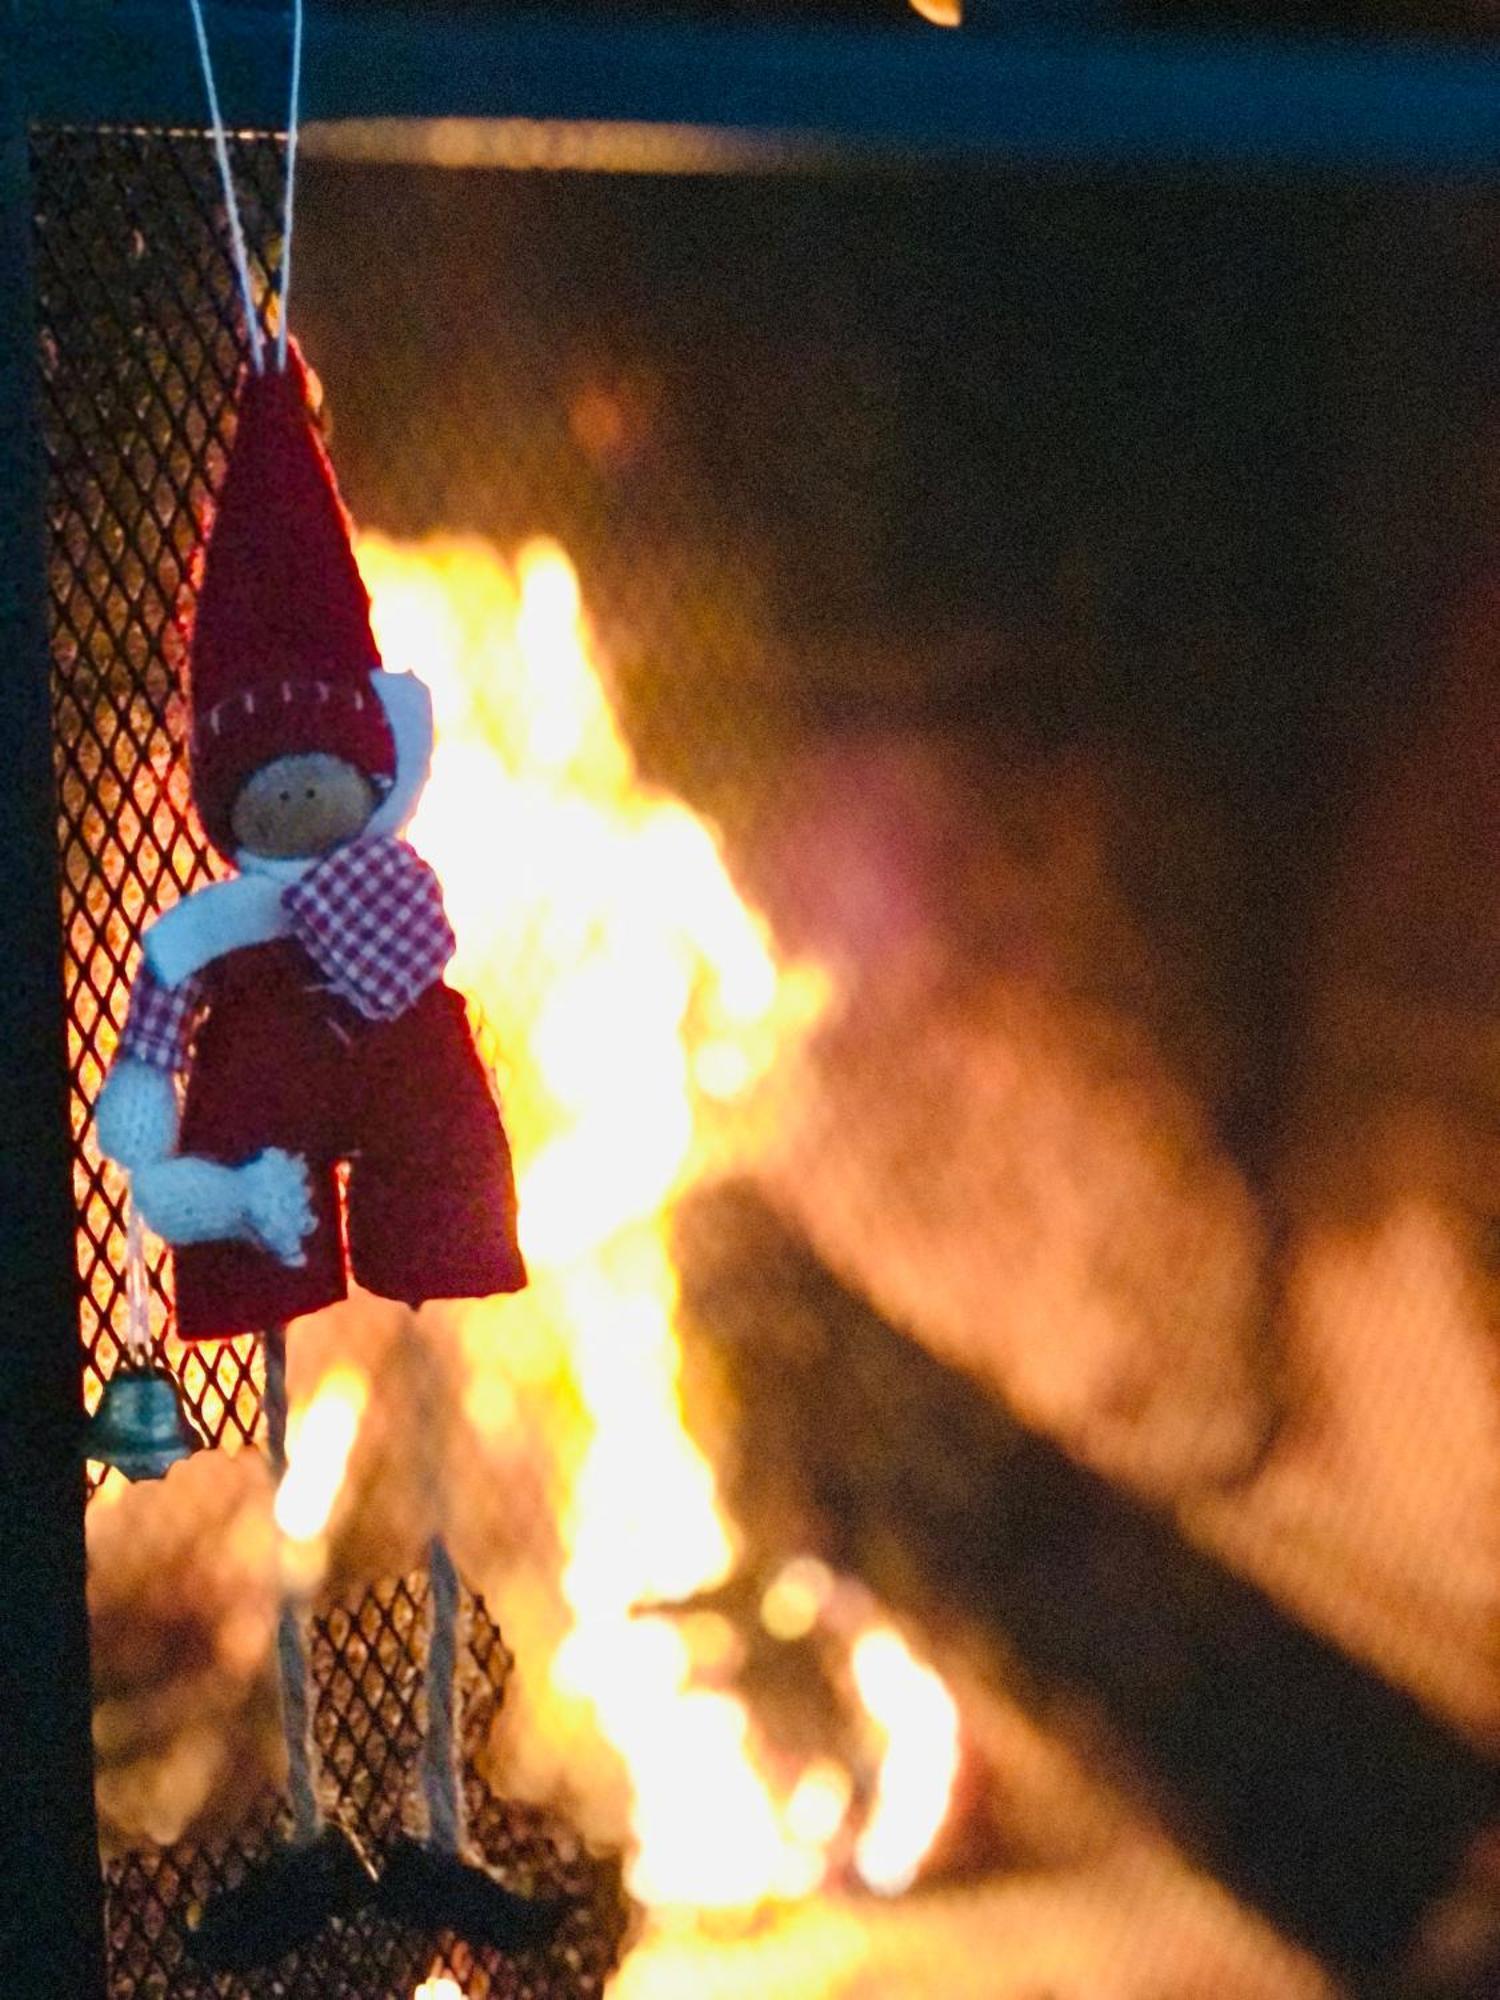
(319, 1439)
(638, 1002)
(439, 1987)
(909, 1702)
(112, 1487)
(819, 1804)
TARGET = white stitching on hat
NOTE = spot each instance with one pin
(248, 698)
(359, 701)
(286, 693)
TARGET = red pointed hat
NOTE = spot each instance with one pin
(282, 650)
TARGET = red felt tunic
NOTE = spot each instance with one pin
(283, 1061)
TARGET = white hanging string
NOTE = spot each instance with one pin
(221, 151)
(294, 1679)
(442, 1790)
(293, 119)
(442, 1748)
(137, 1290)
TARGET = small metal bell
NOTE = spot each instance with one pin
(141, 1426)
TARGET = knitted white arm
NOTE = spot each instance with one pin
(266, 1201)
(136, 1115)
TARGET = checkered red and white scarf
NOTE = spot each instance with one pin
(370, 917)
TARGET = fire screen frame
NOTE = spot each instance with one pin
(1050, 94)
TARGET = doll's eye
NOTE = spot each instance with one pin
(311, 792)
(286, 798)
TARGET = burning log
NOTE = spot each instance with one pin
(1001, 1140)
(1311, 1787)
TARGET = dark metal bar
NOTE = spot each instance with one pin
(51, 1929)
(1044, 94)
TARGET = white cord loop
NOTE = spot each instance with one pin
(226, 178)
(221, 151)
(293, 120)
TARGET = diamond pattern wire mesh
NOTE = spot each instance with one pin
(139, 352)
(367, 1730)
(139, 358)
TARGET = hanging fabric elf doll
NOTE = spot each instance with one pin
(293, 1020)
(303, 999)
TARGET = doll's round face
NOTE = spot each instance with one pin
(299, 806)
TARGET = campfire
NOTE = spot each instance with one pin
(890, 1664)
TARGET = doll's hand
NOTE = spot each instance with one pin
(278, 1210)
(267, 1201)
(136, 1115)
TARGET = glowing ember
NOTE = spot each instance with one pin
(642, 1002)
(795, 1598)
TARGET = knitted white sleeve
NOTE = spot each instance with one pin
(135, 1116)
(266, 1201)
